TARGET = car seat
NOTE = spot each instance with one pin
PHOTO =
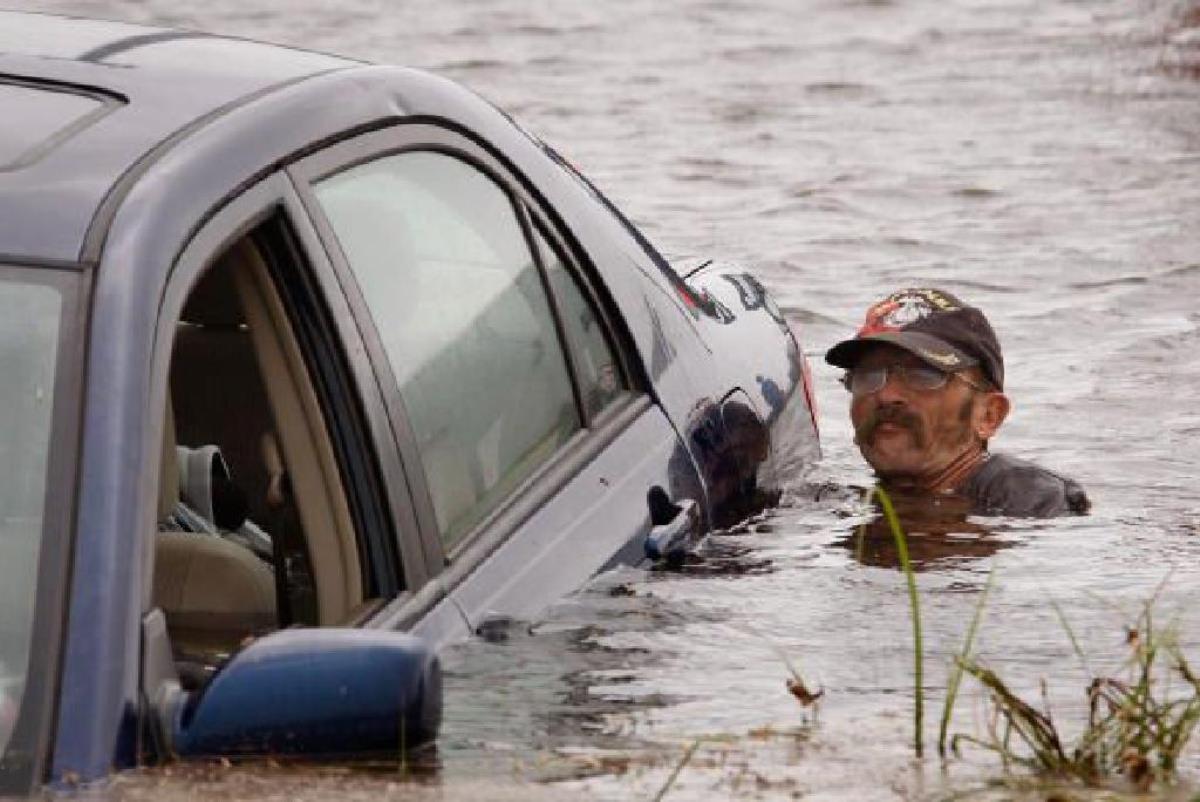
(213, 592)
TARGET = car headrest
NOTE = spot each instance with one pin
(206, 486)
(198, 470)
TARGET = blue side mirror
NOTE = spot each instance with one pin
(316, 693)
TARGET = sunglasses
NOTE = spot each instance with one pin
(864, 381)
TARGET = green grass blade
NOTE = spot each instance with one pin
(914, 602)
(683, 761)
(956, 672)
(1066, 625)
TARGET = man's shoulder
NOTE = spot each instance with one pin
(1007, 485)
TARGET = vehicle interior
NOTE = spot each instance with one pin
(259, 536)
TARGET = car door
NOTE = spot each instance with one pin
(525, 421)
(272, 415)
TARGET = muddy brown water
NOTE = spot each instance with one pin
(1040, 158)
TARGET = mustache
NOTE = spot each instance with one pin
(864, 433)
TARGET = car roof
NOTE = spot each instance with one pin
(91, 101)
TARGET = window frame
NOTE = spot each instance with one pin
(538, 226)
(24, 767)
(273, 201)
(532, 212)
(336, 391)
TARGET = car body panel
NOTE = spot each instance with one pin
(189, 155)
(745, 318)
(56, 38)
(676, 472)
(47, 207)
(599, 513)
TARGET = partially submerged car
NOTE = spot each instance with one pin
(311, 367)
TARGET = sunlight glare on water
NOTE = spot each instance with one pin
(1040, 159)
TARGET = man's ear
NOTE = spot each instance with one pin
(990, 413)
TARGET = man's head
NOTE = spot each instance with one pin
(926, 378)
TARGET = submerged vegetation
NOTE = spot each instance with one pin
(1137, 725)
(674, 775)
(914, 601)
(956, 671)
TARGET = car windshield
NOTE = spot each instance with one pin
(31, 317)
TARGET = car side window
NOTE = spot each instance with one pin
(269, 514)
(445, 268)
(596, 366)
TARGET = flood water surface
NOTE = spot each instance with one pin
(1039, 159)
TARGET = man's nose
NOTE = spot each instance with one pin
(893, 389)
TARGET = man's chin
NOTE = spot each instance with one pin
(890, 443)
(888, 465)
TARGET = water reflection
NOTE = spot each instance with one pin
(722, 555)
(940, 531)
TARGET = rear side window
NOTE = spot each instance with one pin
(455, 293)
(30, 322)
(596, 367)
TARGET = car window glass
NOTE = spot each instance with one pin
(596, 366)
(459, 304)
(30, 316)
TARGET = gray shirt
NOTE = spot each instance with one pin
(1004, 485)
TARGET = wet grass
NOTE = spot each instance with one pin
(956, 672)
(674, 775)
(796, 685)
(1137, 725)
(914, 602)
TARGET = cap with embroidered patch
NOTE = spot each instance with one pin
(932, 325)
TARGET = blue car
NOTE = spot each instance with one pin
(310, 367)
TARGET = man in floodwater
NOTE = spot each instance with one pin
(926, 380)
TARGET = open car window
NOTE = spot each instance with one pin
(269, 514)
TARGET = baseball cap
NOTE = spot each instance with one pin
(932, 325)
